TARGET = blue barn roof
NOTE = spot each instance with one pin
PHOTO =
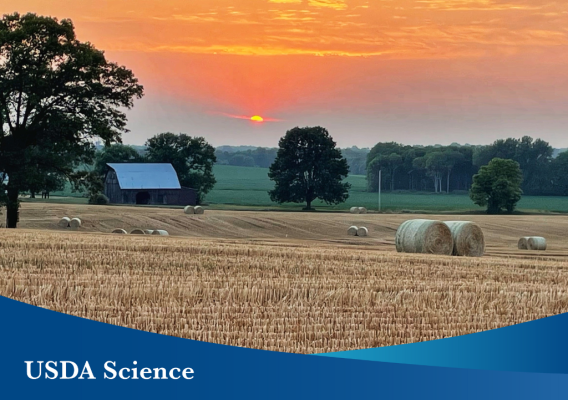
(146, 176)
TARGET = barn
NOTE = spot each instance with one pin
(146, 184)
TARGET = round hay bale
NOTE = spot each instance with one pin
(523, 243)
(468, 239)
(354, 210)
(362, 231)
(120, 231)
(160, 233)
(75, 223)
(137, 232)
(362, 210)
(189, 210)
(64, 222)
(148, 231)
(536, 243)
(352, 231)
(199, 210)
(424, 236)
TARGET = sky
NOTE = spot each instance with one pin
(410, 71)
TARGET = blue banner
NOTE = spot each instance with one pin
(47, 355)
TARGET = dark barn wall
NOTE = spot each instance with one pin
(116, 195)
(179, 197)
(188, 196)
(112, 188)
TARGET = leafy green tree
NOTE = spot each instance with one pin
(534, 158)
(56, 95)
(452, 159)
(117, 153)
(559, 179)
(498, 186)
(191, 157)
(436, 164)
(309, 166)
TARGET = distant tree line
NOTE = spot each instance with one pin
(356, 160)
(451, 168)
(264, 157)
(259, 157)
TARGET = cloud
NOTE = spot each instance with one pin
(334, 4)
(381, 28)
(473, 5)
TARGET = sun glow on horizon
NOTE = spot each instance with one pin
(254, 118)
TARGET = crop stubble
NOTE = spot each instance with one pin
(308, 298)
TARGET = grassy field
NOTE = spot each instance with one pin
(247, 188)
(244, 186)
(280, 281)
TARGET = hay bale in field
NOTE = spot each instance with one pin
(148, 231)
(189, 210)
(64, 222)
(75, 223)
(424, 236)
(536, 243)
(354, 210)
(352, 231)
(362, 210)
(362, 231)
(532, 243)
(120, 231)
(137, 232)
(468, 238)
(199, 210)
(160, 233)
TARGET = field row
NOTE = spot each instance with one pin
(295, 298)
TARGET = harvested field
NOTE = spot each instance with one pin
(263, 291)
(501, 232)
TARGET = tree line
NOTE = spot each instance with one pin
(264, 157)
(446, 169)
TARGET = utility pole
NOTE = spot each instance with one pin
(380, 175)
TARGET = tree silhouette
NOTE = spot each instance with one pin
(56, 95)
(308, 166)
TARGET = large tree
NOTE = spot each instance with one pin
(309, 166)
(191, 157)
(56, 95)
(498, 186)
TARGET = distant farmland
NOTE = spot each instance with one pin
(247, 187)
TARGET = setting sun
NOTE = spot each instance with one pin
(257, 118)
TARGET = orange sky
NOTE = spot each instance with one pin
(414, 71)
